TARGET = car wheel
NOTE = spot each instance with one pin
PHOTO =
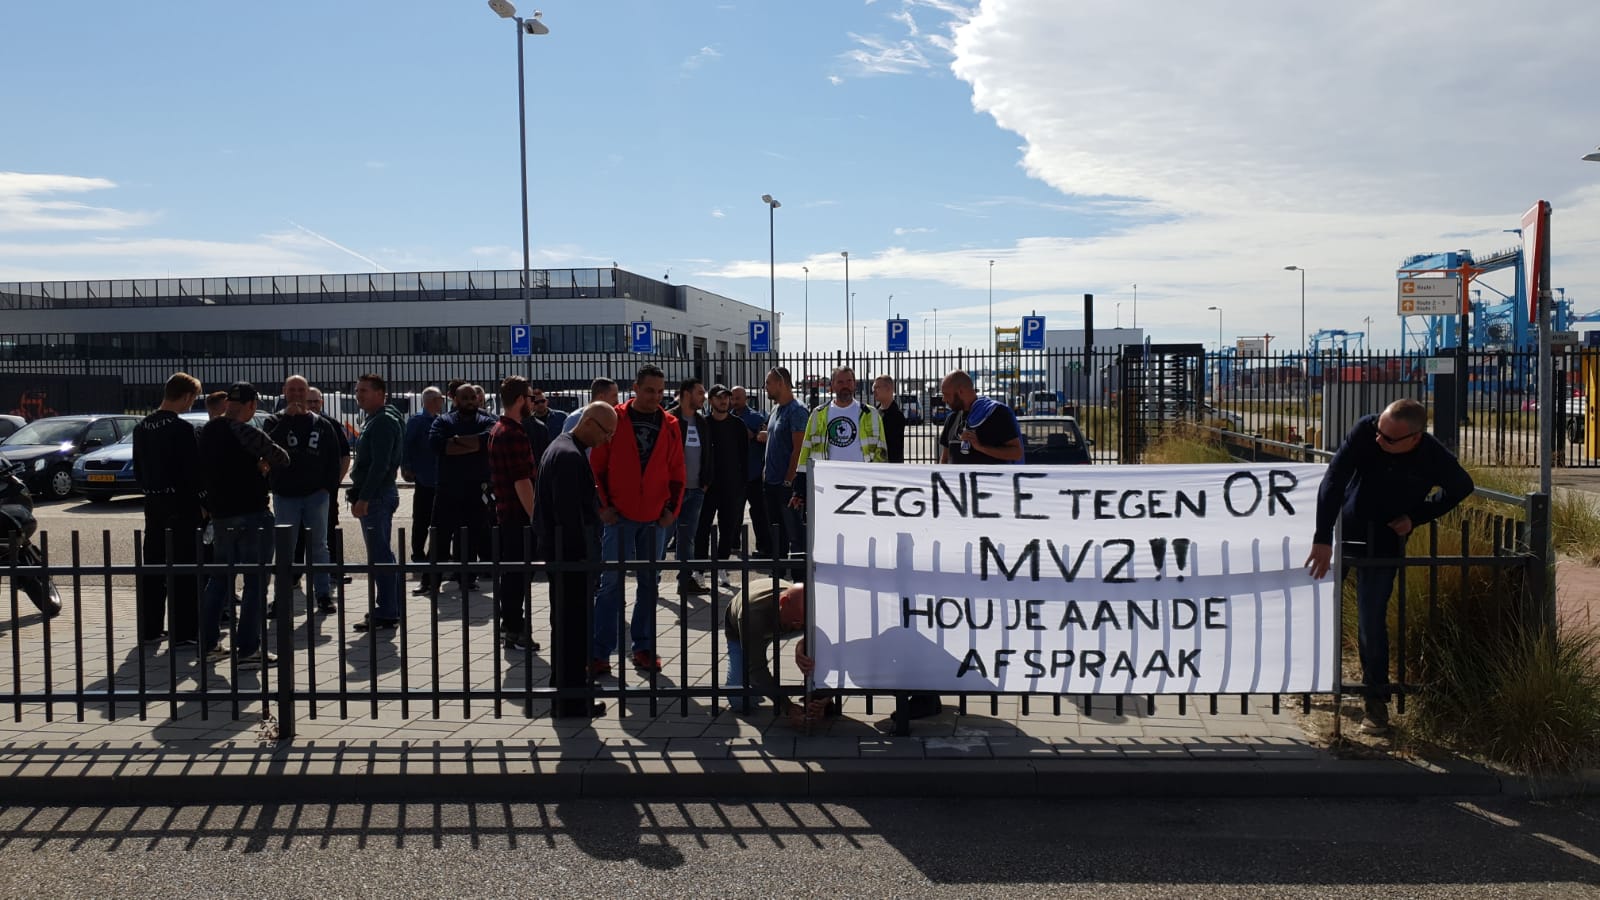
(59, 484)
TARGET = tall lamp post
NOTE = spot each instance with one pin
(772, 263)
(1136, 306)
(1219, 328)
(505, 10)
(1216, 389)
(846, 255)
(807, 270)
(1305, 362)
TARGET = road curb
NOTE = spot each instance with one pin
(120, 784)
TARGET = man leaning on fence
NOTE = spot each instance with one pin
(1388, 478)
(166, 463)
(374, 497)
(236, 458)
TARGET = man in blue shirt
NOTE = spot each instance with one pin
(755, 491)
(785, 429)
(461, 438)
(419, 465)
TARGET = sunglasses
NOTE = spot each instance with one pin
(539, 400)
(1391, 441)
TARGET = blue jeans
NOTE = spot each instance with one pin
(694, 499)
(1373, 589)
(309, 512)
(377, 533)
(642, 541)
(735, 677)
(244, 542)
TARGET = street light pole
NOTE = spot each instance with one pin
(772, 263)
(846, 255)
(1136, 306)
(1305, 362)
(990, 341)
(807, 270)
(505, 10)
(1219, 329)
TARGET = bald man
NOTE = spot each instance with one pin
(301, 491)
(566, 512)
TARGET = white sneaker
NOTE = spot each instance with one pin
(723, 579)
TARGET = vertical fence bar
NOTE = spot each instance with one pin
(111, 623)
(1544, 601)
(283, 598)
(49, 665)
(138, 643)
(405, 644)
(77, 624)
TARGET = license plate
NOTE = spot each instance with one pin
(106, 477)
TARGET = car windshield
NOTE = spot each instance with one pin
(45, 431)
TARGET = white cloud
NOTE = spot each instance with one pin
(916, 51)
(26, 204)
(718, 214)
(902, 232)
(705, 55)
(835, 80)
(1212, 149)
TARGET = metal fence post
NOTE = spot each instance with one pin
(283, 540)
(1541, 593)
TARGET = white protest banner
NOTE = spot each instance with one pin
(1070, 579)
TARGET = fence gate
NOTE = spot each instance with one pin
(1162, 384)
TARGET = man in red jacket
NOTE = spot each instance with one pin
(639, 477)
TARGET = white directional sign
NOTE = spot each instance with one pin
(1250, 347)
(1430, 296)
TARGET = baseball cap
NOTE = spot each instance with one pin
(718, 390)
(242, 392)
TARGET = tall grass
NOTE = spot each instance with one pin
(1184, 443)
(1574, 516)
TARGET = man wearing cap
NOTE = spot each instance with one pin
(236, 459)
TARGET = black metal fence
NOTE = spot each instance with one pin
(446, 660)
(1121, 397)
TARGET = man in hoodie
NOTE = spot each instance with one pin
(640, 480)
(374, 497)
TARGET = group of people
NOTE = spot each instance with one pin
(617, 482)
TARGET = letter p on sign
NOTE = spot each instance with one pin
(760, 336)
(1033, 332)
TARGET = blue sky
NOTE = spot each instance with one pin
(1083, 149)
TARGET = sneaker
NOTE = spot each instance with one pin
(645, 661)
(217, 654)
(186, 642)
(691, 587)
(1374, 727)
(325, 605)
(522, 642)
(153, 640)
(425, 586)
(724, 580)
(376, 623)
(471, 584)
(257, 660)
(599, 668)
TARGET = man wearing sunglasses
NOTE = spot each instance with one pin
(1388, 478)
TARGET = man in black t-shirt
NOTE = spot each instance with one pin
(166, 462)
(979, 431)
(894, 421)
(300, 491)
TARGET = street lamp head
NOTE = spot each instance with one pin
(806, 269)
(502, 8)
(845, 253)
(1217, 308)
(767, 199)
(1293, 269)
(534, 26)
(1592, 157)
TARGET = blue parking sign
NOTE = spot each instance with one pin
(760, 336)
(644, 337)
(521, 340)
(899, 332)
(1033, 332)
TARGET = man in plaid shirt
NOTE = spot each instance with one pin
(511, 469)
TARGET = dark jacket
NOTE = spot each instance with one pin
(313, 445)
(702, 422)
(230, 452)
(381, 441)
(417, 456)
(1371, 487)
(894, 432)
(466, 473)
(565, 500)
(166, 457)
(730, 441)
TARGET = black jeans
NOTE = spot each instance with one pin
(570, 595)
(511, 588)
(755, 493)
(724, 504)
(181, 517)
(421, 519)
(454, 510)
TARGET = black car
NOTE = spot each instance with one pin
(46, 448)
(1053, 441)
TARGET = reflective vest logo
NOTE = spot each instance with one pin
(842, 431)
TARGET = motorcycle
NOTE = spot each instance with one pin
(17, 527)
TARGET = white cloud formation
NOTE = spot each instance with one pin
(902, 232)
(26, 204)
(1214, 148)
(718, 214)
(705, 55)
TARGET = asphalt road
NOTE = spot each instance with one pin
(929, 848)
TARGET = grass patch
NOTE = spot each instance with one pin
(1184, 444)
(1574, 517)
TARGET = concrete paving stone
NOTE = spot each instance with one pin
(957, 748)
(891, 748)
(1021, 747)
(568, 748)
(810, 747)
(700, 748)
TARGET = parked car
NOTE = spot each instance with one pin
(47, 448)
(911, 408)
(10, 425)
(1053, 441)
(1043, 403)
(107, 472)
(938, 411)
